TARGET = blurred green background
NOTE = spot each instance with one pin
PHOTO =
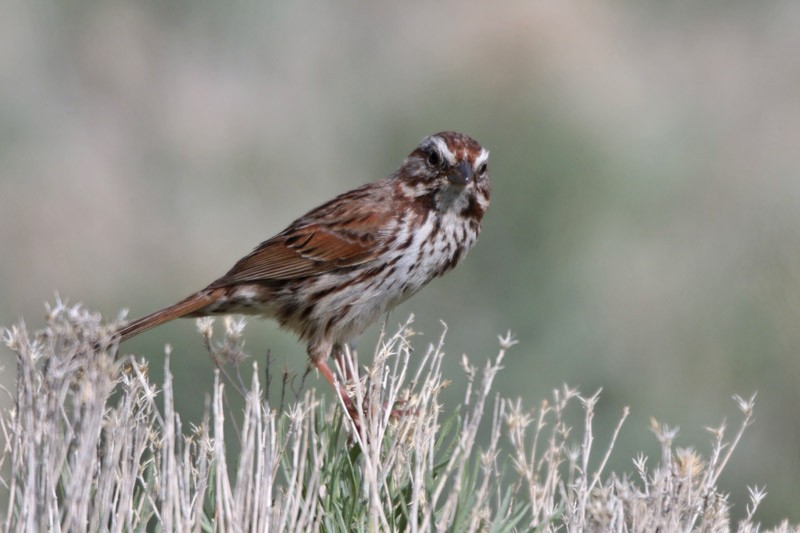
(644, 234)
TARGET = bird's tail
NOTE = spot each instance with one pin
(187, 306)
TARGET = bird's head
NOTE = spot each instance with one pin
(449, 168)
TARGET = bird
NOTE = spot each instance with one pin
(338, 268)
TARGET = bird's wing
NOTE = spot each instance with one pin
(319, 242)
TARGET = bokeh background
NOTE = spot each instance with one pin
(644, 235)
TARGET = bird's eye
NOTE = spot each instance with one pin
(434, 159)
(482, 169)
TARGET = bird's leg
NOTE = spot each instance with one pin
(318, 354)
(326, 372)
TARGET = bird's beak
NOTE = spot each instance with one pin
(461, 174)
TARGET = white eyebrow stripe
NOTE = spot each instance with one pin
(482, 158)
(444, 150)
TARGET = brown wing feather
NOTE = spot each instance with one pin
(311, 247)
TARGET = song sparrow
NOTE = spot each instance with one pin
(338, 268)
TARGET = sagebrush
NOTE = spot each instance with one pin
(86, 448)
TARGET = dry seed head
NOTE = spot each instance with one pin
(205, 326)
(507, 341)
(689, 463)
(517, 419)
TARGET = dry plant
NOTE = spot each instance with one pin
(86, 447)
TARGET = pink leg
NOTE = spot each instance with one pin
(325, 370)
